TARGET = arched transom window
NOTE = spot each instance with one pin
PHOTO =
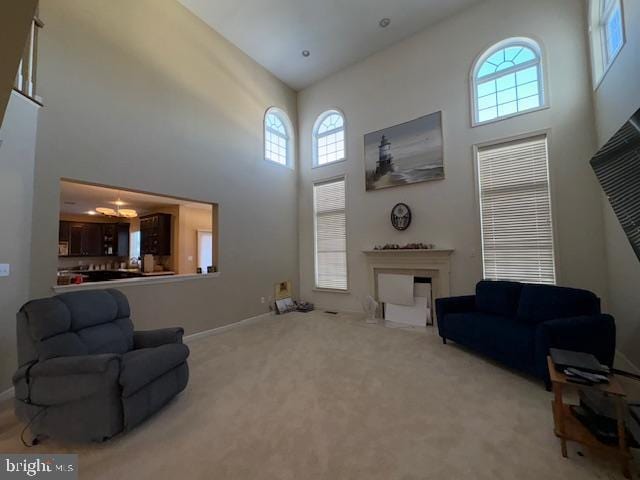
(328, 138)
(277, 137)
(507, 80)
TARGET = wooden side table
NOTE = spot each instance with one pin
(569, 428)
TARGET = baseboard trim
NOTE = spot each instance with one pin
(622, 361)
(6, 395)
(9, 393)
(225, 328)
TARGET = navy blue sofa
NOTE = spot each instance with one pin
(516, 324)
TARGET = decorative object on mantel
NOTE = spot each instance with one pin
(403, 154)
(401, 216)
(408, 246)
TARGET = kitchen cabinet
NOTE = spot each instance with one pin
(88, 239)
(155, 234)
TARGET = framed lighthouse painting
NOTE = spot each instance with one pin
(408, 153)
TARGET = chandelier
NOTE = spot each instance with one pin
(118, 212)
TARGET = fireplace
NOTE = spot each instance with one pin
(433, 264)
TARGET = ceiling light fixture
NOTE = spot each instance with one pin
(384, 23)
(118, 212)
(92, 212)
(306, 53)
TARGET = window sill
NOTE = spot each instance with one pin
(475, 124)
(132, 282)
(332, 290)
(606, 69)
(337, 162)
(288, 165)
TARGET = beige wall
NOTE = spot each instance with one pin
(17, 156)
(616, 99)
(145, 96)
(15, 19)
(430, 72)
(191, 220)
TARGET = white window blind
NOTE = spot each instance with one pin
(331, 235)
(515, 209)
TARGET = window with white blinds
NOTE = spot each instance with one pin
(331, 235)
(515, 211)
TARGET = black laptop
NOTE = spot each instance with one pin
(582, 361)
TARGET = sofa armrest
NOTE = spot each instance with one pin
(445, 306)
(65, 379)
(155, 338)
(595, 334)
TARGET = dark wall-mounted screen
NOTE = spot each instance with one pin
(617, 166)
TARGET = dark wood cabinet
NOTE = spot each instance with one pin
(155, 234)
(87, 239)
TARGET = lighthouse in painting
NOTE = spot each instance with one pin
(384, 157)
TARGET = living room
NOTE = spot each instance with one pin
(346, 148)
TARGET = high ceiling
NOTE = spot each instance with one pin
(79, 198)
(337, 33)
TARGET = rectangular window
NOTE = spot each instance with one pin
(606, 31)
(613, 30)
(515, 211)
(330, 235)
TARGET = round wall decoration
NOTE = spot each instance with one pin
(401, 216)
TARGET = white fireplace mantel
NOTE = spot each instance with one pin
(433, 263)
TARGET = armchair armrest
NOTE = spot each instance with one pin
(155, 338)
(65, 379)
(595, 334)
(76, 365)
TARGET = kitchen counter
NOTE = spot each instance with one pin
(91, 276)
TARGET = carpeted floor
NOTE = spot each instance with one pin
(315, 396)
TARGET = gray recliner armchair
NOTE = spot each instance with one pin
(84, 374)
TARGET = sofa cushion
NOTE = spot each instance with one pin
(89, 308)
(539, 303)
(503, 338)
(142, 366)
(63, 345)
(112, 337)
(498, 297)
(46, 317)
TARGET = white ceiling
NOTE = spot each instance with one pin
(336, 32)
(79, 198)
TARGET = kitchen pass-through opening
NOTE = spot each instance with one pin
(109, 234)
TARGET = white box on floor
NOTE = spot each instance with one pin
(418, 314)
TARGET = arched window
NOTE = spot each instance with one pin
(277, 137)
(328, 138)
(507, 80)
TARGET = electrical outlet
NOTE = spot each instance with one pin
(5, 269)
(262, 300)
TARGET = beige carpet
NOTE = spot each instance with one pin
(323, 397)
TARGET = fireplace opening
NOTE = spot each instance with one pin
(414, 308)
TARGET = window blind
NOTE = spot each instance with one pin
(331, 235)
(515, 209)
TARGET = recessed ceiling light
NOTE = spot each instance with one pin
(384, 23)
(306, 53)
